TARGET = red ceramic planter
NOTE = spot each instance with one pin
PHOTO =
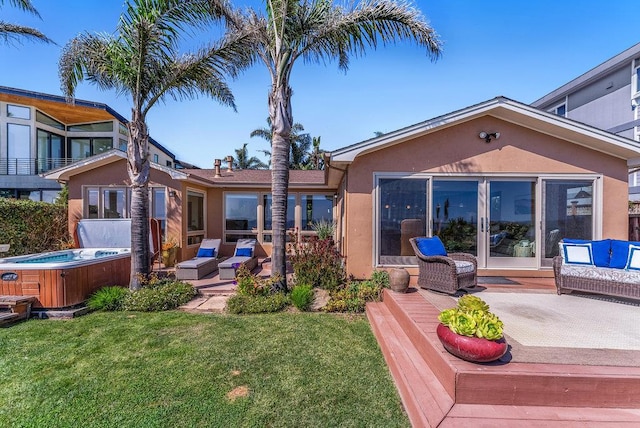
(472, 349)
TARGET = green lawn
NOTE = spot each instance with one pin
(175, 369)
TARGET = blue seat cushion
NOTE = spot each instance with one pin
(206, 252)
(601, 250)
(620, 253)
(243, 252)
(431, 246)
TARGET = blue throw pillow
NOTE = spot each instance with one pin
(633, 263)
(601, 250)
(620, 253)
(206, 252)
(431, 246)
(243, 252)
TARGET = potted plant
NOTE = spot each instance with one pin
(471, 332)
(169, 251)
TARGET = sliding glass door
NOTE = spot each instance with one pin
(509, 223)
(506, 222)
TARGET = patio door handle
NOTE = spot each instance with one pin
(482, 224)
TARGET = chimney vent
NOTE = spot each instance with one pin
(216, 168)
(230, 163)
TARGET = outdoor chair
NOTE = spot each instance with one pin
(439, 271)
(205, 261)
(244, 254)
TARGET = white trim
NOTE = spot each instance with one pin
(199, 232)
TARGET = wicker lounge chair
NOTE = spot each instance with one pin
(446, 274)
(199, 267)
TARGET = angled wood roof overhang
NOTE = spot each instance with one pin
(510, 111)
(58, 108)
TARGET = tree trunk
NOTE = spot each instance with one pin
(282, 120)
(138, 168)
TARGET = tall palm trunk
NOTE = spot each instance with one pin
(282, 121)
(138, 168)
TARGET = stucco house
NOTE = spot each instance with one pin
(500, 179)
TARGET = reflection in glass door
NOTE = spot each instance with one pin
(510, 223)
(454, 214)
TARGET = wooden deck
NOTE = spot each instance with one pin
(438, 389)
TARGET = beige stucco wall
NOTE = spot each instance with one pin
(458, 150)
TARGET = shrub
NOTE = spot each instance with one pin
(316, 262)
(159, 295)
(108, 298)
(32, 227)
(302, 296)
(253, 285)
(381, 278)
(324, 229)
(354, 296)
(244, 304)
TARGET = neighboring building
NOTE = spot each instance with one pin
(41, 132)
(606, 97)
(502, 180)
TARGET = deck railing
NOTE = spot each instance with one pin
(32, 166)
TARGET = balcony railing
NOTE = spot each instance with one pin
(32, 166)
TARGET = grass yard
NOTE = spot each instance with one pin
(175, 369)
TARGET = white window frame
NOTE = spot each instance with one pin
(196, 233)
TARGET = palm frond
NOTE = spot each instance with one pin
(331, 32)
(14, 33)
(24, 5)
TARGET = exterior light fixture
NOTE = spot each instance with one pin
(487, 136)
(172, 193)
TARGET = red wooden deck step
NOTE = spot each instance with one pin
(438, 389)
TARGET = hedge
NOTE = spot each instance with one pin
(32, 227)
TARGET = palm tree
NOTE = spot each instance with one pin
(316, 31)
(243, 161)
(316, 157)
(10, 32)
(142, 61)
(300, 144)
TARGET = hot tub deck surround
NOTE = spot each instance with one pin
(64, 279)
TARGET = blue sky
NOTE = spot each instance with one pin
(521, 50)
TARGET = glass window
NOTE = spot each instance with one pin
(195, 211)
(567, 213)
(92, 127)
(43, 118)
(638, 79)
(122, 144)
(50, 151)
(92, 203)
(19, 149)
(18, 112)
(316, 208)
(114, 203)
(156, 158)
(241, 211)
(291, 212)
(454, 215)
(50, 195)
(122, 129)
(169, 163)
(80, 148)
(159, 207)
(561, 110)
(402, 213)
(101, 145)
(84, 147)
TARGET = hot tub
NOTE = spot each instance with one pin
(67, 278)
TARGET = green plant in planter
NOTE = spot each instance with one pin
(471, 317)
